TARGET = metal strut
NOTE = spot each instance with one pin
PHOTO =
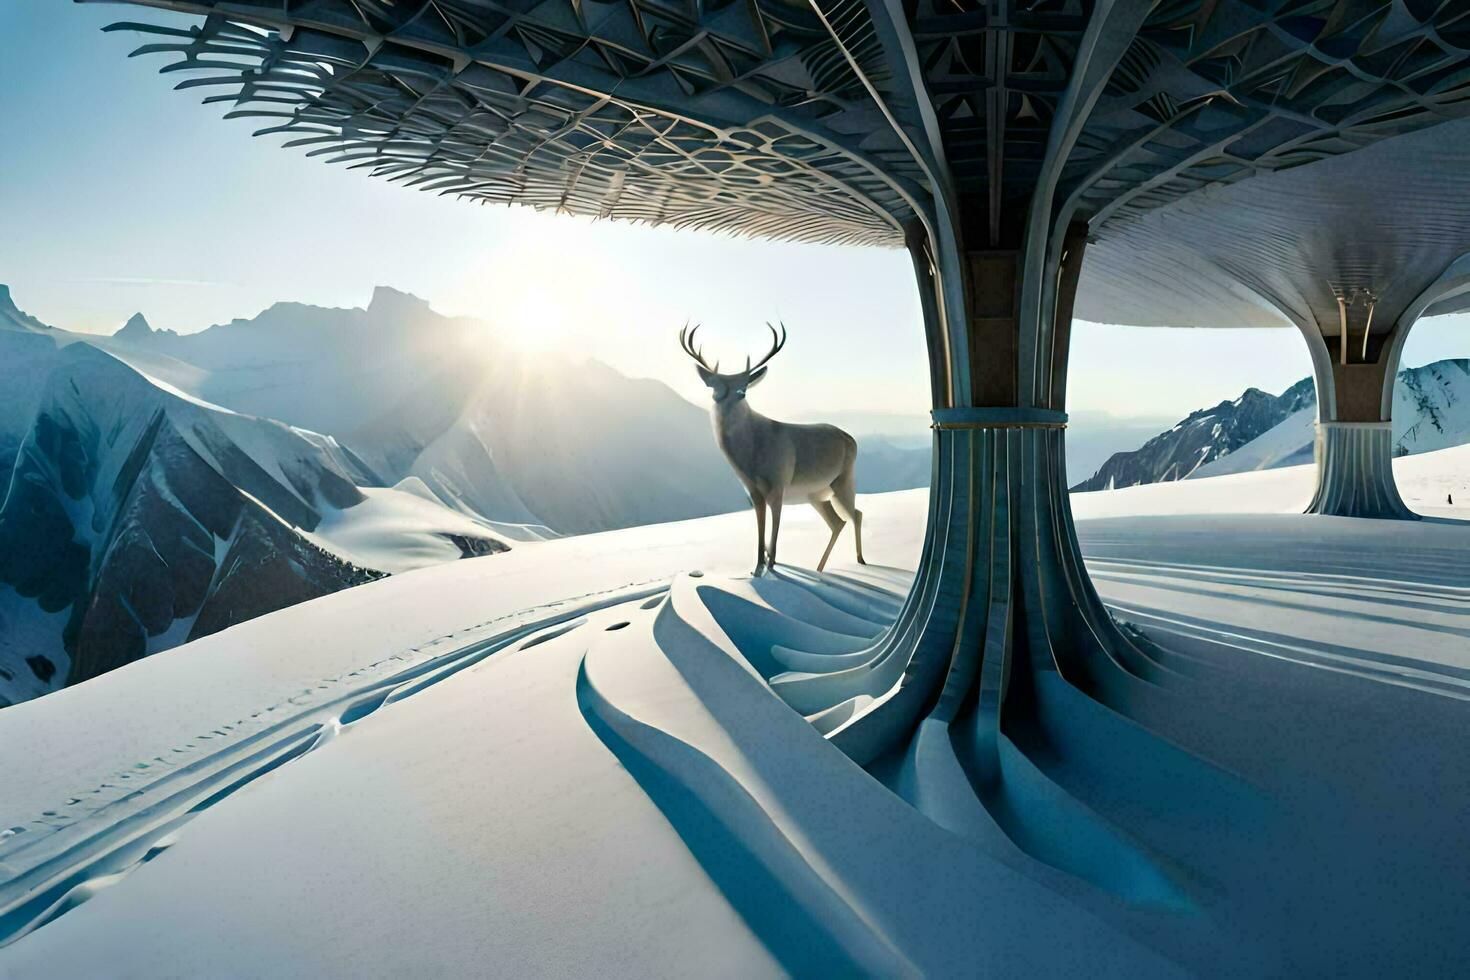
(1368, 327)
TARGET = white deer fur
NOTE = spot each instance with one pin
(780, 460)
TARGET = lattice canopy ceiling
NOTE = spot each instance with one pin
(800, 120)
(740, 116)
(1212, 91)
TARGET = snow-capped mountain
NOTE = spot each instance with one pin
(25, 358)
(139, 518)
(570, 444)
(320, 368)
(28, 352)
(139, 330)
(1431, 410)
(576, 446)
(1201, 438)
(1431, 407)
(491, 431)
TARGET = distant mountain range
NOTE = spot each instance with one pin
(562, 442)
(1257, 431)
(156, 487)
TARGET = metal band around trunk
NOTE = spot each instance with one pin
(999, 418)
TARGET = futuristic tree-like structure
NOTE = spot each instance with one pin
(1219, 162)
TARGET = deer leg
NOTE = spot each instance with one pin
(759, 503)
(835, 524)
(775, 504)
(844, 499)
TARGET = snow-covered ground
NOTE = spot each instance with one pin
(568, 759)
(158, 737)
(245, 677)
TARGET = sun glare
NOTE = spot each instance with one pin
(544, 288)
(539, 320)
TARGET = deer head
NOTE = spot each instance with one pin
(728, 387)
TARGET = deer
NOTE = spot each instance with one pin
(776, 460)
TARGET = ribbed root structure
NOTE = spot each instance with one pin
(1355, 472)
(1002, 634)
(1001, 588)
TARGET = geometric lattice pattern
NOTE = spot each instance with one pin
(1211, 92)
(734, 116)
(748, 115)
(994, 74)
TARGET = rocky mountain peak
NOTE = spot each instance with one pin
(136, 327)
(139, 331)
(1301, 395)
(394, 302)
(1202, 437)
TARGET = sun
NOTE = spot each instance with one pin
(544, 288)
(539, 321)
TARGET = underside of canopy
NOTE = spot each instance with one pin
(1279, 249)
(846, 120)
(744, 119)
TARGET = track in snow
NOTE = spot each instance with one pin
(50, 875)
(1384, 600)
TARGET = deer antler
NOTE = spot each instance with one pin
(686, 341)
(777, 342)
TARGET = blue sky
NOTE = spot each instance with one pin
(122, 195)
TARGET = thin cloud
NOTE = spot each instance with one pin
(147, 281)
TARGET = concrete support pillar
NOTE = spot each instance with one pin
(1354, 433)
(1355, 402)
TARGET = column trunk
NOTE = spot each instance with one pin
(1354, 444)
(1002, 615)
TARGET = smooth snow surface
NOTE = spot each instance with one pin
(161, 736)
(510, 532)
(589, 756)
(75, 738)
